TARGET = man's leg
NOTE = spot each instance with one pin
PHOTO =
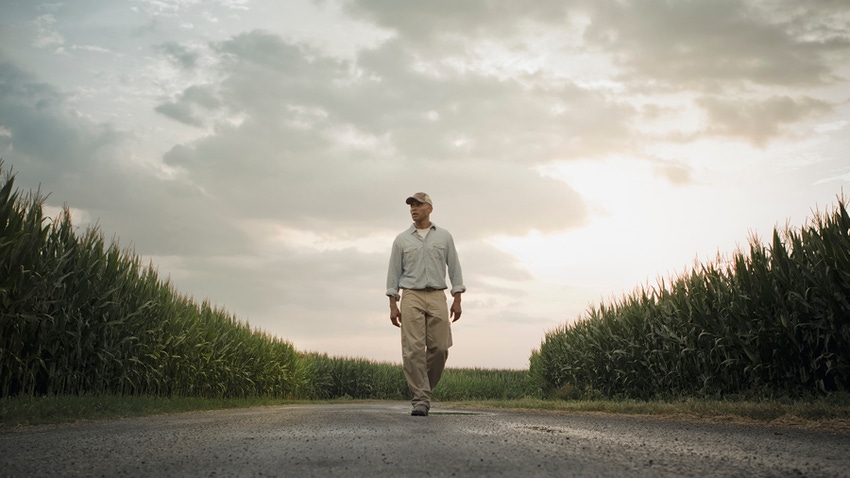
(438, 336)
(413, 347)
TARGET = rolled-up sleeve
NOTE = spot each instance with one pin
(394, 271)
(455, 272)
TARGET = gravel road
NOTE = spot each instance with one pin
(382, 439)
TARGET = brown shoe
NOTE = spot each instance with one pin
(420, 411)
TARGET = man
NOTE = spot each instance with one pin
(418, 263)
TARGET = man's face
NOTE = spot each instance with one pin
(419, 210)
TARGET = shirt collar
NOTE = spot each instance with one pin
(413, 227)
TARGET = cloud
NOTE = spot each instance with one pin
(47, 36)
(676, 174)
(515, 317)
(424, 22)
(192, 103)
(91, 48)
(306, 292)
(777, 42)
(174, 7)
(284, 166)
(691, 44)
(67, 154)
(45, 130)
(167, 7)
(273, 178)
(185, 57)
(758, 120)
(482, 261)
(303, 113)
(386, 89)
(181, 112)
(655, 49)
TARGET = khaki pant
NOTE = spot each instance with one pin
(426, 336)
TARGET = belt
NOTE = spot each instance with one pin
(427, 289)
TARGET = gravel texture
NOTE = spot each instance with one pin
(382, 439)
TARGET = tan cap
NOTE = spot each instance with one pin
(421, 197)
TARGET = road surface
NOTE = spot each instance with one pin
(383, 440)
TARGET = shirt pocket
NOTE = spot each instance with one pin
(438, 252)
(412, 255)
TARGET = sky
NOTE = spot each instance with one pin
(258, 153)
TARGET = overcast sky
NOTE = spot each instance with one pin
(259, 152)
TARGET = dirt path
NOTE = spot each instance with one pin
(381, 439)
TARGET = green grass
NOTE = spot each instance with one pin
(831, 412)
(25, 410)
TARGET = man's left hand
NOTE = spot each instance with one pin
(455, 311)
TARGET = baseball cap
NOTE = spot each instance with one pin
(421, 197)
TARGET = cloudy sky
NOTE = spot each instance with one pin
(259, 152)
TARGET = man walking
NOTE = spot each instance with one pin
(418, 263)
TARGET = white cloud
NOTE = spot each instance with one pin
(92, 48)
(47, 36)
(236, 4)
(210, 17)
(347, 138)
(80, 218)
(168, 6)
(831, 127)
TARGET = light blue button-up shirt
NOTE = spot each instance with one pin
(417, 263)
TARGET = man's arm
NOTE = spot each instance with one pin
(453, 264)
(393, 276)
(395, 314)
(456, 278)
(455, 310)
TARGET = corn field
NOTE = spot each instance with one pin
(486, 384)
(772, 321)
(80, 316)
(324, 377)
(321, 377)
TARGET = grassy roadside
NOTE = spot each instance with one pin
(15, 411)
(830, 413)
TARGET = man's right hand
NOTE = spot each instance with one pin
(395, 315)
